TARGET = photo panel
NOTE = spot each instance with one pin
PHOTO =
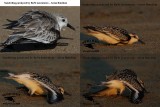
(122, 26)
(119, 53)
(57, 77)
(113, 80)
(40, 29)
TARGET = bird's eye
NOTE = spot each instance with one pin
(63, 20)
(135, 36)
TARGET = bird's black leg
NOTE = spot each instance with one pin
(62, 44)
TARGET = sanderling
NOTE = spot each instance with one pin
(39, 85)
(36, 27)
(112, 35)
(116, 84)
(130, 80)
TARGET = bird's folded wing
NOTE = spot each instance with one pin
(36, 25)
(45, 82)
(116, 33)
(53, 94)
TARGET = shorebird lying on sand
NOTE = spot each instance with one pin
(112, 35)
(39, 85)
(119, 81)
(36, 27)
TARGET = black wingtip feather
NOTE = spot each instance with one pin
(51, 100)
(11, 24)
(137, 100)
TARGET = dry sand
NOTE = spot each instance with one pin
(72, 13)
(143, 59)
(62, 71)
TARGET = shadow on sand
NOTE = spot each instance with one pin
(3, 74)
(96, 69)
(31, 47)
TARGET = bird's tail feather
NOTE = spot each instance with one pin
(11, 20)
(11, 24)
(1, 44)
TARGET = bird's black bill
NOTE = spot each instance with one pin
(141, 41)
(66, 38)
(66, 93)
(71, 27)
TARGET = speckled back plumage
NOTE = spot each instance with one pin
(44, 79)
(122, 34)
(128, 76)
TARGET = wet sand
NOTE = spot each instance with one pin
(72, 13)
(62, 71)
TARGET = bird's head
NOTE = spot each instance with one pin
(136, 38)
(61, 90)
(63, 22)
